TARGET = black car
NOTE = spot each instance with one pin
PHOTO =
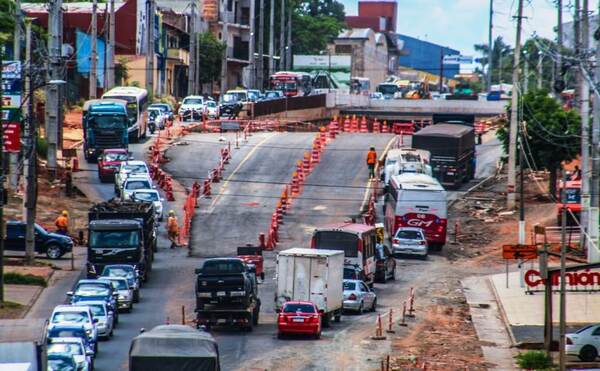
(385, 264)
(230, 105)
(54, 245)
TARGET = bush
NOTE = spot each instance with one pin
(14, 278)
(42, 147)
(534, 360)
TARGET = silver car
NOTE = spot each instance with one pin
(74, 347)
(125, 298)
(358, 296)
(410, 241)
(105, 317)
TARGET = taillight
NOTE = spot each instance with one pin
(352, 297)
(569, 341)
(421, 242)
(282, 318)
(395, 240)
(314, 319)
(440, 229)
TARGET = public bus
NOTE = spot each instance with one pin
(137, 102)
(357, 241)
(417, 200)
(290, 83)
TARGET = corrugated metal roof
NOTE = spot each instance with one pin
(81, 7)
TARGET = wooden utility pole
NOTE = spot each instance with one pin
(30, 159)
(150, 6)
(594, 233)
(563, 268)
(558, 77)
(288, 54)
(251, 47)
(514, 116)
(282, 36)
(490, 47)
(191, 88)
(93, 54)
(271, 37)
(54, 107)
(225, 34)
(14, 157)
(261, 41)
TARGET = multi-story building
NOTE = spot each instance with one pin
(378, 15)
(426, 56)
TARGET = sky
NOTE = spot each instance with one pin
(460, 24)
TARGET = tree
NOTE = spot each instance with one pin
(315, 24)
(502, 56)
(210, 56)
(7, 19)
(552, 133)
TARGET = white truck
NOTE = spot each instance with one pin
(312, 275)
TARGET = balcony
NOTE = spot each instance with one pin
(181, 55)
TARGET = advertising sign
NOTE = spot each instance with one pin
(11, 69)
(11, 101)
(12, 129)
(457, 59)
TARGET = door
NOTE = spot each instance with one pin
(318, 282)
(367, 294)
(301, 290)
(15, 237)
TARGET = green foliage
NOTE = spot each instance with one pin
(121, 71)
(329, 8)
(210, 57)
(534, 360)
(552, 134)
(502, 60)
(7, 20)
(312, 33)
(13, 278)
(42, 147)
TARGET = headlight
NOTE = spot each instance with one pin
(121, 297)
(88, 332)
(237, 293)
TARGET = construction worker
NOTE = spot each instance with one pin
(172, 228)
(62, 223)
(371, 162)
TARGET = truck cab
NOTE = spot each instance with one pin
(105, 125)
(225, 281)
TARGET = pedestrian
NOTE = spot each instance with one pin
(62, 223)
(172, 228)
(576, 175)
(371, 161)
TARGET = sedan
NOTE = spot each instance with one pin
(150, 195)
(61, 362)
(385, 264)
(211, 109)
(358, 297)
(134, 183)
(109, 162)
(410, 241)
(584, 343)
(72, 346)
(127, 271)
(125, 298)
(299, 317)
(166, 109)
(73, 331)
(105, 317)
(93, 290)
(75, 315)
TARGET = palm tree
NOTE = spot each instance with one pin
(501, 59)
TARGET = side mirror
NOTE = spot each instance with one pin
(197, 270)
(95, 320)
(70, 293)
(142, 330)
(89, 352)
(115, 294)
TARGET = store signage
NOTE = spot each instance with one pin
(12, 137)
(523, 252)
(457, 59)
(534, 279)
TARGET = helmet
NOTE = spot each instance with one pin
(372, 148)
(171, 212)
(65, 213)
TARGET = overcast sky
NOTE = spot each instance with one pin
(460, 24)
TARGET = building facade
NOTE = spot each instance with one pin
(378, 15)
(426, 56)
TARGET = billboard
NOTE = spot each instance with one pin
(322, 62)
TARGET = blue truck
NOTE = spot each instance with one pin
(105, 125)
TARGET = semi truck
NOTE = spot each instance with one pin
(452, 148)
(121, 232)
(226, 294)
(313, 275)
(104, 125)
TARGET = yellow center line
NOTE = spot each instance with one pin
(368, 189)
(246, 158)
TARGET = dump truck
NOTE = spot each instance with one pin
(121, 232)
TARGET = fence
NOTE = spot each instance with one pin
(288, 104)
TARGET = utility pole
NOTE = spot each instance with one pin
(525, 72)
(14, 157)
(225, 34)
(110, 70)
(558, 77)
(490, 47)
(288, 56)
(521, 187)
(563, 298)
(261, 49)
(584, 104)
(441, 70)
(594, 220)
(514, 117)
(30, 159)
(1, 195)
(94, 53)
(53, 112)
(251, 46)
(540, 70)
(272, 38)
(192, 65)
(150, 47)
(282, 36)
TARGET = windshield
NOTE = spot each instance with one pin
(60, 365)
(90, 289)
(114, 239)
(138, 184)
(298, 308)
(97, 310)
(236, 96)
(211, 104)
(387, 89)
(146, 196)
(77, 317)
(346, 242)
(351, 274)
(153, 113)
(192, 101)
(115, 156)
(252, 95)
(69, 348)
(108, 122)
(70, 333)
(135, 168)
(409, 235)
(118, 272)
(216, 267)
(229, 98)
(120, 284)
(160, 107)
(349, 285)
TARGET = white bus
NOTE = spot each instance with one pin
(417, 200)
(405, 160)
(137, 102)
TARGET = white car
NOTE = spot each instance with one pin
(211, 109)
(75, 314)
(125, 299)
(358, 296)
(133, 183)
(127, 168)
(105, 317)
(150, 195)
(584, 343)
(74, 347)
(191, 108)
(410, 241)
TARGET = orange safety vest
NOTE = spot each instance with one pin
(62, 222)
(172, 224)
(371, 158)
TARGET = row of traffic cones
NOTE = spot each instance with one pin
(353, 125)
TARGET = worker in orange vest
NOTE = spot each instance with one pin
(371, 162)
(172, 228)
(62, 223)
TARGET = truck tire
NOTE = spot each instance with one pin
(338, 316)
(327, 319)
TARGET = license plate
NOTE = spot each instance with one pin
(221, 320)
(220, 293)
(298, 320)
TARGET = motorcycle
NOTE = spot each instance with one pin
(152, 125)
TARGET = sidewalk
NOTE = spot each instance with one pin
(486, 317)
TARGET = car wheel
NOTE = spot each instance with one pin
(54, 251)
(374, 306)
(588, 353)
(361, 309)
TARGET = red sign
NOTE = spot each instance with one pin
(524, 252)
(12, 137)
(585, 278)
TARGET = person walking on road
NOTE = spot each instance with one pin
(172, 228)
(371, 162)
(62, 223)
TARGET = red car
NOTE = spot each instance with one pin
(299, 317)
(109, 162)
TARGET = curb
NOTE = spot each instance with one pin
(36, 296)
(503, 316)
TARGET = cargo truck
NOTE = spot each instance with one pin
(104, 125)
(452, 148)
(121, 232)
(311, 275)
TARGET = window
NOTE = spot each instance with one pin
(146, 196)
(138, 184)
(115, 157)
(61, 348)
(596, 332)
(120, 284)
(222, 267)
(114, 239)
(346, 242)
(363, 287)
(298, 308)
(409, 235)
(97, 310)
(78, 317)
(349, 285)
